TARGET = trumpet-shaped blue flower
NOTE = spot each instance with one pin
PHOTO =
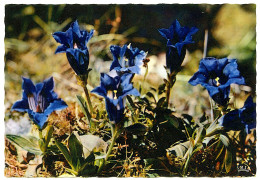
(127, 59)
(39, 100)
(74, 44)
(177, 38)
(238, 119)
(216, 75)
(114, 90)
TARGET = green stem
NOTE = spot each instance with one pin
(88, 98)
(169, 85)
(114, 136)
(40, 134)
(168, 94)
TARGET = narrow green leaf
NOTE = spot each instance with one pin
(42, 145)
(131, 102)
(200, 134)
(65, 153)
(49, 131)
(224, 140)
(160, 102)
(25, 144)
(149, 94)
(179, 150)
(83, 106)
(75, 148)
(89, 159)
(137, 129)
(228, 160)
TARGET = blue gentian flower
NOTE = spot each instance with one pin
(216, 75)
(39, 100)
(177, 38)
(74, 44)
(127, 59)
(114, 90)
(238, 119)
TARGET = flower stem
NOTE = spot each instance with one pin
(168, 94)
(169, 85)
(113, 140)
(40, 134)
(88, 98)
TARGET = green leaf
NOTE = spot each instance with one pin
(161, 88)
(180, 149)
(25, 144)
(200, 134)
(228, 160)
(137, 129)
(83, 106)
(224, 139)
(65, 153)
(76, 149)
(149, 94)
(206, 140)
(88, 160)
(172, 120)
(154, 175)
(131, 102)
(49, 131)
(160, 102)
(42, 145)
(188, 156)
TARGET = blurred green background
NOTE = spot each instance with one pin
(29, 46)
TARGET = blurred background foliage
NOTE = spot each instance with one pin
(29, 46)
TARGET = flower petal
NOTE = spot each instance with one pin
(61, 49)
(100, 91)
(198, 78)
(231, 121)
(21, 106)
(28, 86)
(55, 105)
(166, 33)
(38, 118)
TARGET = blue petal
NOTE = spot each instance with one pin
(115, 50)
(249, 103)
(28, 86)
(75, 28)
(231, 121)
(114, 114)
(109, 82)
(221, 97)
(134, 69)
(165, 33)
(61, 49)
(79, 60)
(126, 78)
(48, 84)
(65, 38)
(232, 72)
(211, 89)
(55, 105)
(100, 91)
(21, 106)
(115, 64)
(198, 78)
(89, 35)
(250, 126)
(38, 118)
(179, 47)
(133, 92)
(39, 87)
